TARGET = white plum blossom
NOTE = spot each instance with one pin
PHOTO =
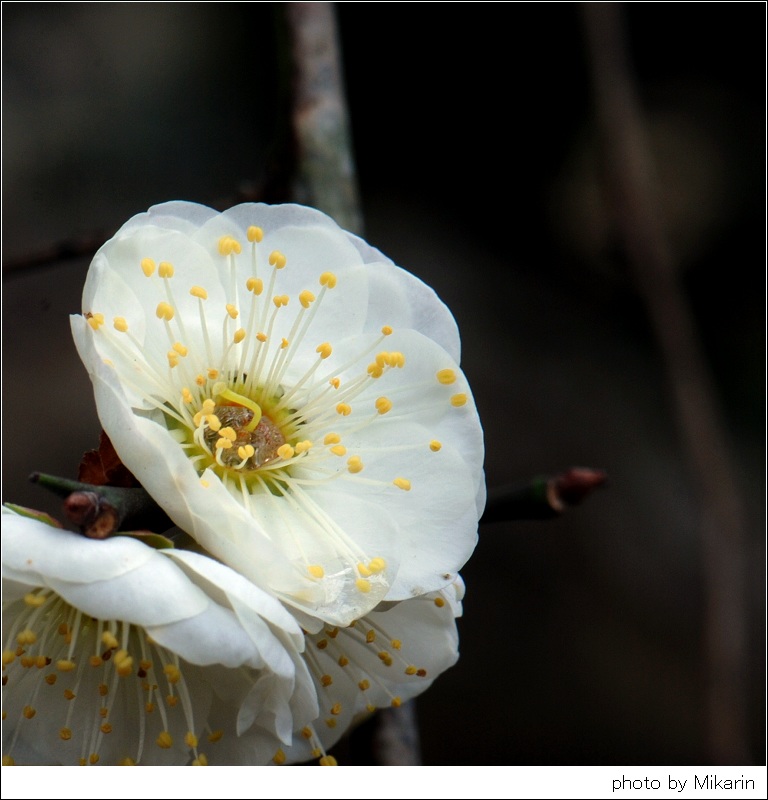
(291, 398)
(382, 660)
(116, 653)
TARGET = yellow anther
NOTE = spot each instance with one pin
(103, 690)
(221, 390)
(279, 758)
(93, 758)
(364, 571)
(396, 644)
(364, 685)
(172, 672)
(377, 565)
(339, 450)
(200, 761)
(254, 233)
(164, 740)
(326, 680)
(333, 632)
(165, 270)
(103, 712)
(145, 665)
(215, 736)
(396, 360)
(208, 406)
(284, 343)
(213, 374)
(8, 657)
(370, 637)
(306, 298)
(149, 707)
(302, 447)
(439, 602)
(344, 409)
(280, 300)
(328, 279)
(65, 734)
(198, 291)
(385, 657)
(363, 585)
(200, 380)
(277, 259)
(232, 311)
(336, 709)
(331, 722)
(255, 285)
(95, 661)
(26, 637)
(375, 371)
(262, 337)
(446, 376)
(402, 483)
(396, 702)
(186, 396)
(124, 666)
(245, 451)
(322, 644)
(164, 311)
(120, 324)
(386, 330)
(105, 727)
(285, 451)
(228, 433)
(383, 405)
(213, 422)
(29, 712)
(335, 382)
(69, 694)
(382, 359)
(239, 335)
(410, 670)
(324, 349)
(96, 320)
(343, 661)
(315, 570)
(434, 445)
(147, 266)
(306, 732)
(228, 245)
(328, 761)
(127, 762)
(331, 438)
(180, 349)
(458, 400)
(172, 700)
(173, 358)
(34, 600)
(190, 739)
(354, 464)
(223, 444)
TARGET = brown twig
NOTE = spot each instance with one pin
(326, 169)
(629, 171)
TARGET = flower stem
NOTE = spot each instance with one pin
(99, 511)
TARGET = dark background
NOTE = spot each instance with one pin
(583, 638)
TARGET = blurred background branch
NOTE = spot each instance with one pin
(634, 192)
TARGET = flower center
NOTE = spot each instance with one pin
(259, 446)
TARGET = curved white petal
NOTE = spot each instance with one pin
(276, 311)
(114, 650)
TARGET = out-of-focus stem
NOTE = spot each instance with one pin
(632, 191)
(326, 168)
